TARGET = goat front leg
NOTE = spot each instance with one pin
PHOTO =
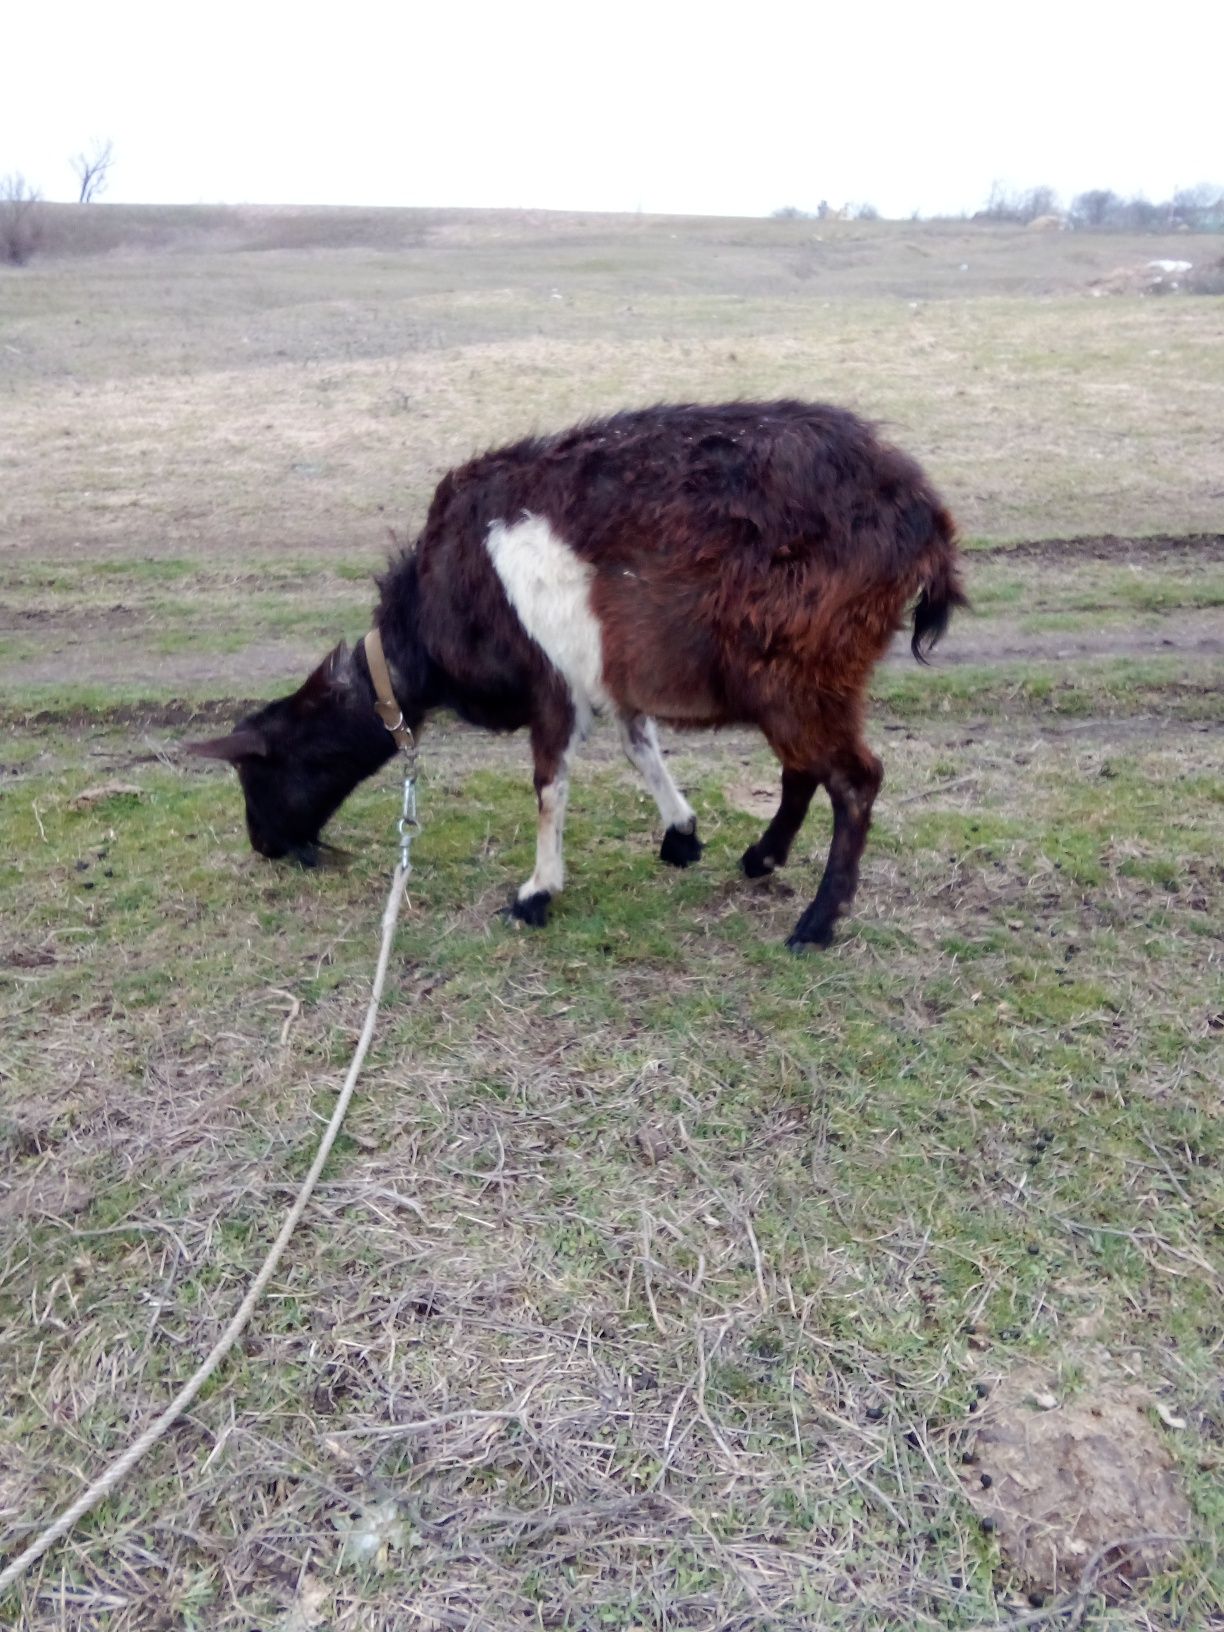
(640, 740)
(774, 845)
(553, 740)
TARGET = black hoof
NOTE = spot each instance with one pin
(754, 863)
(817, 936)
(680, 849)
(531, 910)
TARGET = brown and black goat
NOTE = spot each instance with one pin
(741, 564)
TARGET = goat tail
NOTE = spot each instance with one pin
(942, 589)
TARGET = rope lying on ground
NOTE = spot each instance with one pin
(123, 1464)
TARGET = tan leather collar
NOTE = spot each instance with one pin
(385, 705)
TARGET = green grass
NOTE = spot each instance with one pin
(1091, 587)
(993, 1105)
(1091, 688)
(691, 1256)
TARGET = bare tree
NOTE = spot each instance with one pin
(20, 219)
(1003, 205)
(1200, 208)
(1095, 207)
(92, 168)
(1038, 201)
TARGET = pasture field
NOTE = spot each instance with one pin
(660, 1279)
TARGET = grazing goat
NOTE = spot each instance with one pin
(706, 566)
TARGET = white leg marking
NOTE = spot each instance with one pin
(549, 586)
(550, 834)
(550, 860)
(640, 740)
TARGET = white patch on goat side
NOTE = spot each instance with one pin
(640, 740)
(550, 589)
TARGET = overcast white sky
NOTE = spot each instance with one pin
(708, 108)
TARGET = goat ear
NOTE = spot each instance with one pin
(239, 745)
(328, 677)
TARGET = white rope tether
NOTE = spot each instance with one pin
(123, 1464)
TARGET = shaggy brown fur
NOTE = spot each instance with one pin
(748, 563)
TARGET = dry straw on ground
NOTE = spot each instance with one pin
(657, 1275)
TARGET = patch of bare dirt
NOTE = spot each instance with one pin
(171, 712)
(1195, 632)
(75, 623)
(103, 793)
(1081, 1493)
(50, 1193)
(1111, 547)
(279, 664)
(27, 957)
(107, 657)
(85, 647)
(756, 796)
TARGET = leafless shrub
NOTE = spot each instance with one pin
(1205, 280)
(1020, 207)
(1200, 208)
(999, 206)
(1140, 215)
(20, 219)
(1039, 201)
(1093, 208)
(1191, 209)
(791, 212)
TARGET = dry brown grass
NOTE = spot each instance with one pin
(658, 1273)
(642, 1293)
(214, 400)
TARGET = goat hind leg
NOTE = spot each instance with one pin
(640, 740)
(853, 780)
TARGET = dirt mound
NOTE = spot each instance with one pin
(1161, 277)
(1080, 1493)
